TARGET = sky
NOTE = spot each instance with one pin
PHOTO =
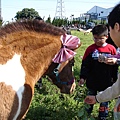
(47, 8)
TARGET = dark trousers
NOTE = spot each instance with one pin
(103, 109)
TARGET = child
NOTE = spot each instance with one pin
(98, 75)
(113, 91)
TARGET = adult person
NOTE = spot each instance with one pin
(98, 75)
(109, 40)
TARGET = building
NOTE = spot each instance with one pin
(95, 13)
(99, 13)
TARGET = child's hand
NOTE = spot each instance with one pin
(90, 100)
(81, 82)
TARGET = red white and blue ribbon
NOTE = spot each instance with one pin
(69, 43)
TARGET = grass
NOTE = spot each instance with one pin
(49, 104)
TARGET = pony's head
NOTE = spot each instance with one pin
(61, 69)
(61, 74)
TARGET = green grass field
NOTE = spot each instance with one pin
(49, 104)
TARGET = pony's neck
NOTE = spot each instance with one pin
(37, 60)
(37, 51)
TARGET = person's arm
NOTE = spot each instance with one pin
(106, 95)
(86, 64)
(85, 68)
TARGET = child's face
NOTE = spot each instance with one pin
(99, 40)
(115, 34)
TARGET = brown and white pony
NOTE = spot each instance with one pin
(27, 49)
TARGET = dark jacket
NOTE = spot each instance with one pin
(98, 75)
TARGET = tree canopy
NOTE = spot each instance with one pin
(27, 13)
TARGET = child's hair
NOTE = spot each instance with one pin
(100, 30)
(114, 16)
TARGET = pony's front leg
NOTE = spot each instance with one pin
(25, 101)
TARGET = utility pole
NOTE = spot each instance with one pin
(60, 9)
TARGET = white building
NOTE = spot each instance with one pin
(100, 13)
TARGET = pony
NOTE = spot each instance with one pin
(28, 50)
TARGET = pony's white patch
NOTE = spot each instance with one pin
(19, 93)
(13, 74)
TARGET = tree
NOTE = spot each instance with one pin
(60, 22)
(1, 22)
(48, 20)
(27, 13)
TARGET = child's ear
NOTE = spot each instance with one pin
(106, 36)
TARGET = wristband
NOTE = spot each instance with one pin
(96, 99)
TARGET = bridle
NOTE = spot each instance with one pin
(56, 73)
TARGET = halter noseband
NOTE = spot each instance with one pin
(56, 73)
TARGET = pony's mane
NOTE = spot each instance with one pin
(27, 37)
(30, 25)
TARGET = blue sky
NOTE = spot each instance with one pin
(9, 8)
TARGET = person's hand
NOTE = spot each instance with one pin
(110, 61)
(90, 100)
(81, 82)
